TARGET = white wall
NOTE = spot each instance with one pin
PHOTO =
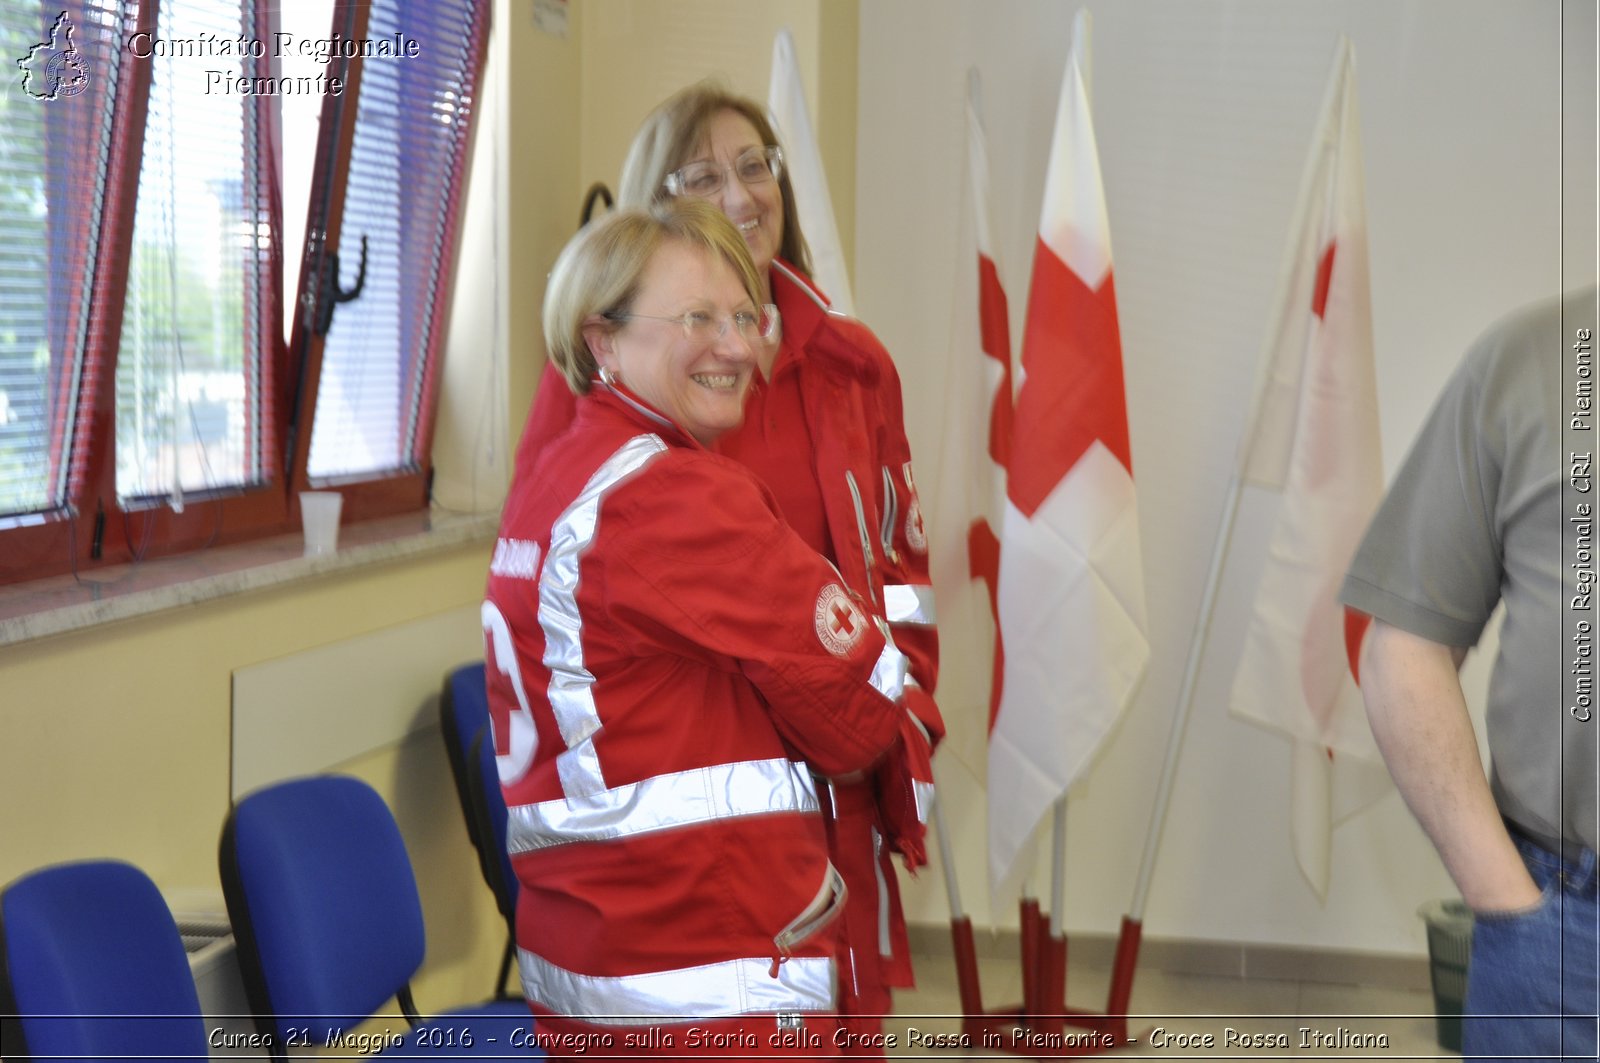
(1203, 111)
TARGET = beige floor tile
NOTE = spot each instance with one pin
(1197, 1016)
(1158, 993)
(1405, 1017)
(938, 991)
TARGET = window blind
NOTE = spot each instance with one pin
(191, 368)
(407, 167)
(55, 154)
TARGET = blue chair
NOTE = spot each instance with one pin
(325, 910)
(464, 722)
(92, 967)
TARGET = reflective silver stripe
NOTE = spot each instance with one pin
(889, 674)
(923, 793)
(571, 684)
(715, 990)
(806, 289)
(702, 795)
(885, 943)
(912, 684)
(909, 603)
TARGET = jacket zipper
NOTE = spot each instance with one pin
(891, 514)
(822, 910)
(866, 533)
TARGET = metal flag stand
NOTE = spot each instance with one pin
(1036, 1027)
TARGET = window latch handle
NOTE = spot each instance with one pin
(332, 294)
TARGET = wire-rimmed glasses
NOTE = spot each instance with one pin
(705, 178)
(702, 326)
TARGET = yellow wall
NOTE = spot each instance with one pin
(117, 744)
(543, 187)
(115, 741)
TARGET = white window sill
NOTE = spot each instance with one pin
(64, 604)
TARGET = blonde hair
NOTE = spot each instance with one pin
(599, 272)
(674, 131)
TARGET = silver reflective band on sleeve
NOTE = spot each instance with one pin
(909, 603)
(923, 793)
(714, 990)
(885, 941)
(911, 683)
(703, 795)
(571, 688)
(889, 674)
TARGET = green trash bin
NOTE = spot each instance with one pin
(1449, 926)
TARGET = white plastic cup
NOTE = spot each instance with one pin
(319, 520)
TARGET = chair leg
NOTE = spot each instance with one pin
(505, 972)
(408, 1005)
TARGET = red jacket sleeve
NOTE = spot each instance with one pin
(904, 782)
(908, 588)
(902, 557)
(715, 570)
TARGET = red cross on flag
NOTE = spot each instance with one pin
(1314, 445)
(1071, 596)
(965, 562)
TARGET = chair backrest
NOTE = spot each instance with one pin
(464, 720)
(92, 966)
(497, 870)
(324, 903)
(463, 712)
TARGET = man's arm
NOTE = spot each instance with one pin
(1419, 717)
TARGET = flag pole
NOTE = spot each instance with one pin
(966, 953)
(1133, 923)
(1180, 719)
(1052, 953)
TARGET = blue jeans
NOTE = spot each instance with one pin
(1531, 982)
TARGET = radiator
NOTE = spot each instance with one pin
(214, 961)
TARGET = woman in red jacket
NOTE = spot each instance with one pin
(823, 428)
(668, 666)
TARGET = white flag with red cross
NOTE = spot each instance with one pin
(791, 119)
(1314, 445)
(965, 559)
(1071, 595)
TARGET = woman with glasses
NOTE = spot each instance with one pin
(668, 663)
(823, 428)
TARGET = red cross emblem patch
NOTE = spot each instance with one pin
(840, 623)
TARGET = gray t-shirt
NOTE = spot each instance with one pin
(1474, 517)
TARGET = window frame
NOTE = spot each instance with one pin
(96, 530)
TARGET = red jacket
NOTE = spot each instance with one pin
(856, 421)
(851, 396)
(663, 652)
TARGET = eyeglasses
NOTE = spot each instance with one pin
(702, 326)
(755, 166)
